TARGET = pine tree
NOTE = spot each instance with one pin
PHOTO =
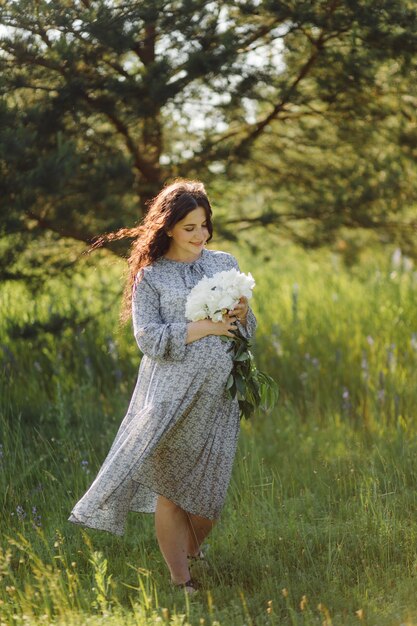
(103, 101)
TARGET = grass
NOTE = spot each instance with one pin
(319, 525)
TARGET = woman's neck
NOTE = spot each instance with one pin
(172, 256)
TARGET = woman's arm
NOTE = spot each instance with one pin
(154, 337)
(161, 340)
(203, 328)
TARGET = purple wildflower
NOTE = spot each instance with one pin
(20, 513)
(36, 517)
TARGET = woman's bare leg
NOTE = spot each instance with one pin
(198, 529)
(172, 532)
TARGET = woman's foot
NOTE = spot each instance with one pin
(196, 557)
(189, 587)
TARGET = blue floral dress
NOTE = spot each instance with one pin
(179, 435)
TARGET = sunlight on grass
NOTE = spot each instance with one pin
(319, 525)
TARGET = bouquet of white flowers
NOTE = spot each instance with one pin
(212, 298)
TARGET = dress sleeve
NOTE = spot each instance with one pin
(155, 338)
(248, 330)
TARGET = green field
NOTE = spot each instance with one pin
(319, 525)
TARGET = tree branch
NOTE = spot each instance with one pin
(150, 172)
(260, 126)
(72, 233)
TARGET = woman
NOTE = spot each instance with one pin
(174, 450)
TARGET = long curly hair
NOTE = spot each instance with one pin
(151, 240)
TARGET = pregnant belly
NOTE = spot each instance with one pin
(206, 367)
(208, 358)
(210, 352)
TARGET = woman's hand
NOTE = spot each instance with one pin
(240, 311)
(203, 328)
(224, 327)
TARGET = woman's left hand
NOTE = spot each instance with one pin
(241, 310)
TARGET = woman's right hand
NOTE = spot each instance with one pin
(224, 327)
(203, 328)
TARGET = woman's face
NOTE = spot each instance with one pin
(189, 235)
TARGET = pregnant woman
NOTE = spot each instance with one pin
(174, 450)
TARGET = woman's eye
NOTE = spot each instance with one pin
(190, 230)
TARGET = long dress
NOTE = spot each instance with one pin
(178, 438)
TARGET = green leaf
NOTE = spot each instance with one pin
(240, 384)
(244, 356)
(246, 409)
(229, 382)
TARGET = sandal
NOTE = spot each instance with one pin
(191, 586)
(198, 557)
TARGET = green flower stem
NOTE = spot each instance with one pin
(254, 389)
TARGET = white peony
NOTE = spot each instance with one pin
(213, 296)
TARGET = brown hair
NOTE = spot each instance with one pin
(170, 206)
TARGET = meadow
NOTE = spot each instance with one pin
(320, 521)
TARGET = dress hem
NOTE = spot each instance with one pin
(158, 493)
(90, 524)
